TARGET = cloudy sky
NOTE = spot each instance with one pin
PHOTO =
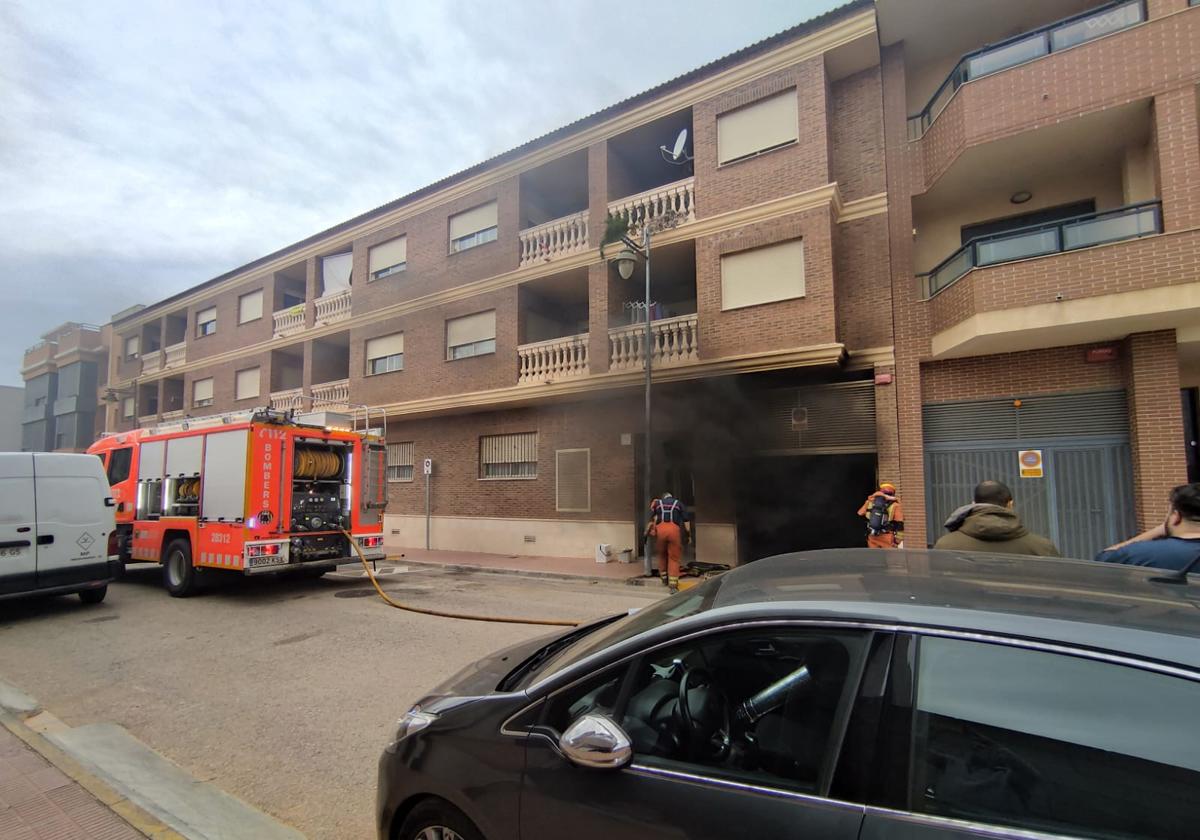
(146, 147)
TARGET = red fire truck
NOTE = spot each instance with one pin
(254, 492)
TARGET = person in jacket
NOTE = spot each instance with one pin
(885, 517)
(1175, 544)
(990, 524)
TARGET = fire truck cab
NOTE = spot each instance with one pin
(254, 492)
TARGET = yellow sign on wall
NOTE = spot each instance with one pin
(1030, 463)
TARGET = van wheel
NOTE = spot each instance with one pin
(179, 575)
(93, 596)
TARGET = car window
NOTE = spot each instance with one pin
(755, 705)
(595, 695)
(1052, 742)
(118, 464)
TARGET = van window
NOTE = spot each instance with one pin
(118, 464)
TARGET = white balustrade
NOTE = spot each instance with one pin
(333, 308)
(331, 395)
(557, 358)
(291, 399)
(554, 239)
(152, 362)
(677, 199)
(289, 320)
(673, 341)
(177, 414)
(175, 354)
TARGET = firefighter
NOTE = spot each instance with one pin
(885, 517)
(668, 520)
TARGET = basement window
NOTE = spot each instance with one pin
(400, 461)
(512, 456)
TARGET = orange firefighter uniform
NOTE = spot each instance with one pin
(885, 521)
(668, 517)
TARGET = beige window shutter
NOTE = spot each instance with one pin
(573, 485)
(127, 407)
(761, 125)
(473, 220)
(508, 449)
(400, 454)
(250, 307)
(202, 389)
(206, 315)
(388, 254)
(478, 327)
(246, 384)
(385, 345)
(763, 275)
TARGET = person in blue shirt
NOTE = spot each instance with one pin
(1175, 544)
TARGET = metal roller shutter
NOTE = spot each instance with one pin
(1101, 413)
(820, 420)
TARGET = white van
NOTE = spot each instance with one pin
(56, 516)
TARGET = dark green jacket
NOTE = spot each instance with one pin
(996, 529)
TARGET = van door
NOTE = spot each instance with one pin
(18, 523)
(73, 520)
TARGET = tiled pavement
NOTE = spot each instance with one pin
(39, 802)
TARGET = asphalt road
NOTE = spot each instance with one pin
(280, 691)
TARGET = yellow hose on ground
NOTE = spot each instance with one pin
(550, 622)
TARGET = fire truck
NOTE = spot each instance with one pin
(253, 492)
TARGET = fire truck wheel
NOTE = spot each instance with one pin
(179, 575)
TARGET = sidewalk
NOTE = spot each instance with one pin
(40, 802)
(571, 567)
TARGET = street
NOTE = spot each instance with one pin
(279, 691)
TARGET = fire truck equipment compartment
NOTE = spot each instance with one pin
(225, 475)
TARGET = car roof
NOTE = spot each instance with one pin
(1104, 606)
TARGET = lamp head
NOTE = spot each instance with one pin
(626, 260)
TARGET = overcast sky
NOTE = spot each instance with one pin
(146, 147)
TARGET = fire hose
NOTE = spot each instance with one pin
(552, 622)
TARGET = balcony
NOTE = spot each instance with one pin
(333, 307)
(175, 355)
(168, 416)
(676, 200)
(290, 320)
(152, 362)
(1026, 47)
(673, 341)
(549, 361)
(554, 239)
(291, 399)
(331, 396)
(1129, 222)
(150, 419)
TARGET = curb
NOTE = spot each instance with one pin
(139, 819)
(467, 567)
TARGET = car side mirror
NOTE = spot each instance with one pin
(596, 741)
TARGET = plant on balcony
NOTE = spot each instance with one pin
(614, 228)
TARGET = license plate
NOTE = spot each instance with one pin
(267, 560)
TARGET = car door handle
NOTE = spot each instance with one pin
(24, 529)
(15, 544)
(45, 539)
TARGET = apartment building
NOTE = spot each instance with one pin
(64, 374)
(908, 239)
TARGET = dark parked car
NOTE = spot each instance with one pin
(832, 694)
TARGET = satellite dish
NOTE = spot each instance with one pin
(678, 154)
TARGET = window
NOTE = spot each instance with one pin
(127, 408)
(119, 461)
(572, 480)
(474, 227)
(756, 128)
(132, 344)
(762, 275)
(400, 461)
(388, 259)
(202, 392)
(250, 307)
(246, 384)
(1053, 743)
(736, 729)
(473, 335)
(206, 321)
(385, 354)
(508, 456)
(335, 273)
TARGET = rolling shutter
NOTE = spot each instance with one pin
(1103, 413)
(474, 220)
(385, 345)
(400, 461)
(206, 315)
(573, 486)
(202, 389)
(388, 254)
(478, 327)
(762, 125)
(250, 307)
(246, 384)
(819, 420)
(762, 275)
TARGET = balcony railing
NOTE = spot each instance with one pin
(1027, 46)
(177, 414)
(152, 361)
(288, 400)
(1128, 222)
(673, 341)
(554, 239)
(289, 320)
(333, 308)
(331, 395)
(175, 354)
(677, 199)
(557, 358)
